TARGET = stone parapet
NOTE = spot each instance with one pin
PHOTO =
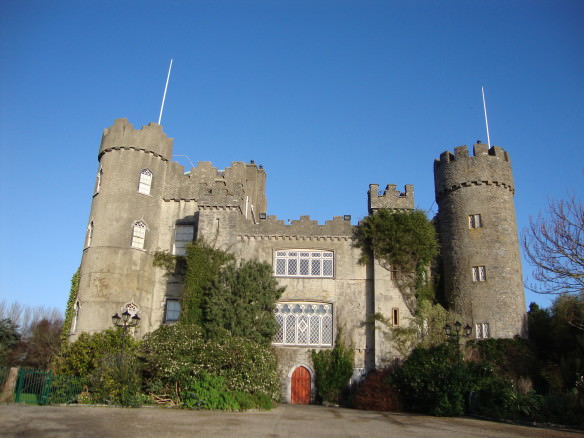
(391, 198)
(122, 135)
(487, 167)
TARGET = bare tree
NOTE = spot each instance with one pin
(554, 246)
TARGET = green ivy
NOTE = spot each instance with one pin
(70, 310)
(405, 241)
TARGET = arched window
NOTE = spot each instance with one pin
(98, 180)
(145, 182)
(138, 235)
(89, 235)
(75, 317)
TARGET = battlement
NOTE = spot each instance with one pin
(391, 198)
(479, 150)
(487, 167)
(149, 138)
(306, 227)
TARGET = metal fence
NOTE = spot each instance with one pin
(43, 387)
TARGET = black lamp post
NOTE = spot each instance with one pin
(457, 328)
(125, 322)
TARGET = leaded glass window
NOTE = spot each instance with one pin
(304, 323)
(304, 263)
(145, 182)
(138, 235)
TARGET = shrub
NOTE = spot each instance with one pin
(434, 380)
(333, 369)
(375, 393)
(176, 356)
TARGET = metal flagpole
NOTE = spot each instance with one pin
(486, 119)
(164, 95)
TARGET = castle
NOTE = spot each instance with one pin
(144, 202)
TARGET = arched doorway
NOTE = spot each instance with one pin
(300, 386)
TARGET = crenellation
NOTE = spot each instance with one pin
(391, 198)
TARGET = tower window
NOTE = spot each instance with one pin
(98, 180)
(183, 235)
(138, 235)
(395, 317)
(303, 263)
(172, 310)
(479, 273)
(89, 235)
(474, 221)
(482, 330)
(145, 182)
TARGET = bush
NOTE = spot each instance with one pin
(177, 356)
(434, 380)
(375, 393)
(117, 380)
(333, 369)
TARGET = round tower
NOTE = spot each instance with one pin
(122, 234)
(479, 242)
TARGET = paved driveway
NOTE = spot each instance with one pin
(284, 421)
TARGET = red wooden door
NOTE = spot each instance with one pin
(300, 393)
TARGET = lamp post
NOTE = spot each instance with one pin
(125, 322)
(457, 328)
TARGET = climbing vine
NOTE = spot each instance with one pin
(70, 311)
(403, 242)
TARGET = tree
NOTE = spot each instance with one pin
(240, 302)
(9, 338)
(554, 246)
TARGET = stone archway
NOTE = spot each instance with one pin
(300, 386)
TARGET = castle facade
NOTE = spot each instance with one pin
(144, 202)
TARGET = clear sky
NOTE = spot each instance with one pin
(329, 96)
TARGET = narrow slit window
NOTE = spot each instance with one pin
(395, 317)
(89, 236)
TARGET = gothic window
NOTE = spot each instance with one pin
(145, 182)
(172, 310)
(98, 180)
(304, 323)
(479, 273)
(75, 317)
(183, 235)
(303, 263)
(89, 235)
(474, 221)
(138, 235)
(482, 330)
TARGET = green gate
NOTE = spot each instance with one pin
(43, 387)
(33, 386)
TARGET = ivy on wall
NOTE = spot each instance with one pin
(70, 310)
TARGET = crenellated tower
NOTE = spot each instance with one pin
(479, 242)
(124, 225)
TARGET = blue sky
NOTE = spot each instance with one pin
(329, 96)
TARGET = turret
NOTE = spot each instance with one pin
(124, 225)
(479, 242)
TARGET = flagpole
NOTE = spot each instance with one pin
(164, 95)
(486, 119)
